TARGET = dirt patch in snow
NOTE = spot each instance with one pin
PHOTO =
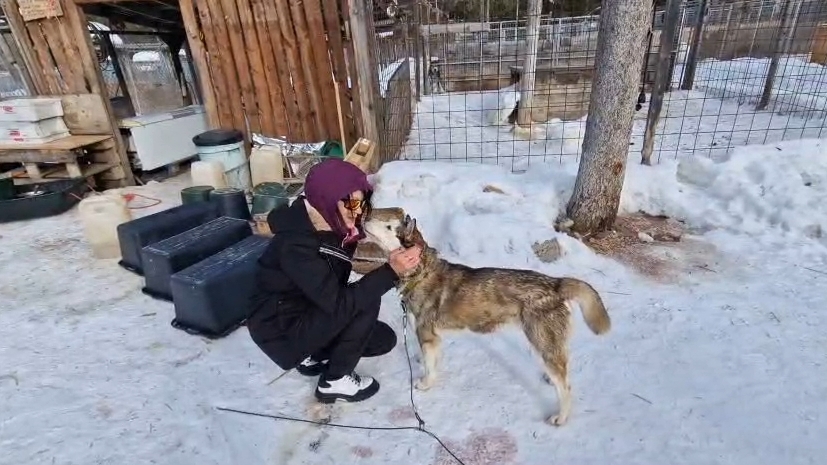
(654, 246)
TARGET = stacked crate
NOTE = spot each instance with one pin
(35, 120)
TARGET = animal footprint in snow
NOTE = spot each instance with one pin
(362, 452)
(401, 415)
(491, 446)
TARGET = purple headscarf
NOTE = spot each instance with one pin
(330, 181)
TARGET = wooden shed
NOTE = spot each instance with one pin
(287, 68)
(295, 69)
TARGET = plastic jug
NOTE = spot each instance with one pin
(266, 165)
(100, 216)
(208, 173)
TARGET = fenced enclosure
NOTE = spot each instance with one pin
(148, 71)
(12, 70)
(393, 50)
(710, 83)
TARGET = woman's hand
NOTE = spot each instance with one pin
(403, 260)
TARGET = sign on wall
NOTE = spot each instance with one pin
(37, 9)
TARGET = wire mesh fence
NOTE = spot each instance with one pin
(718, 60)
(12, 82)
(470, 87)
(148, 77)
(755, 80)
(393, 52)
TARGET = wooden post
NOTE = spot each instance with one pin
(725, 38)
(79, 24)
(499, 54)
(418, 55)
(692, 57)
(662, 77)
(529, 64)
(789, 21)
(367, 77)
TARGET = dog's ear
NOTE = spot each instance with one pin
(408, 226)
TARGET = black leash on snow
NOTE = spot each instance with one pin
(420, 428)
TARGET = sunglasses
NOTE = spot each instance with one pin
(354, 204)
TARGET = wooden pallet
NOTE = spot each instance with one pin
(35, 173)
(65, 158)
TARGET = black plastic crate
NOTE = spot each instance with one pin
(141, 232)
(212, 297)
(164, 258)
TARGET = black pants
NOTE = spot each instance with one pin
(344, 339)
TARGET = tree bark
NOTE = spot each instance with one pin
(620, 48)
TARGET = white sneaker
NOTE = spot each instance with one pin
(350, 388)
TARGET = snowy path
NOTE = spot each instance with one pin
(726, 366)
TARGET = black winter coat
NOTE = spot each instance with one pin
(304, 271)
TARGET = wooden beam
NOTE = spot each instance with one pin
(203, 76)
(367, 77)
(96, 2)
(663, 75)
(78, 27)
(63, 172)
(60, 145)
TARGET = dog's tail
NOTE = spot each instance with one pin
(594, 312)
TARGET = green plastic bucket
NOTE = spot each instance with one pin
(333, 148)
(269, 195)
(195, 194)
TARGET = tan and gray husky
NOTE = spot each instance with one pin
(448, 296)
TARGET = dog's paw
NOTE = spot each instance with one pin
(557, 420)
(423, 384)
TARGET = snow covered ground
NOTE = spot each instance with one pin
(725, 364)
(800, 87)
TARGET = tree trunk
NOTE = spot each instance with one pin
(532, 31)
(620, 48)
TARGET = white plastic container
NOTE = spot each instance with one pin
(100, 216)
(33, 131)
(266, 165)
(30, 109)
(232, 156)
(208, 173)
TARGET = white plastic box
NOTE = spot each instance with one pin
(30, 109)
(37, 131)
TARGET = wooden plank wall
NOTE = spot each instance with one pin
(272, 65)
(59, 55)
